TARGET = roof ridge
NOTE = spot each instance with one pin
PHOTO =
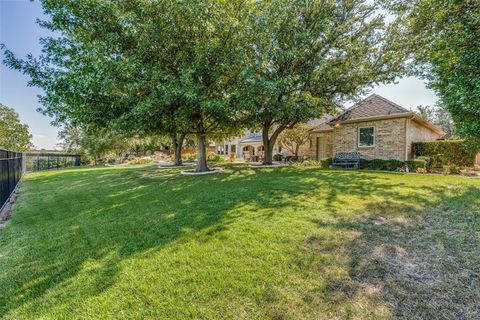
(390, 101)
(362, 103)
(355, 105)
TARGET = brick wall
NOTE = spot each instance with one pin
(418, 133)
(390, 139)
(325, 145)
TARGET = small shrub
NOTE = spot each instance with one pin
(383, 165)
(291, 158)
(140, 161)
(307, 163)
(451, 169)
(428, 162)
(326, 163)
(414, 164)
(215, 157)
(187, 156)
(277, 157)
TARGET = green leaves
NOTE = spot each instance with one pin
(207, 66)
(321, 51)
(444, 39)
(14, 135)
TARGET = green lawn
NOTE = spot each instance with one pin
(284, 243)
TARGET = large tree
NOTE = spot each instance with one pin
(310, 55)
(443, 38)
(292, 139)
(443, 119)
(14, 135)
(140, 66)
(440, 116)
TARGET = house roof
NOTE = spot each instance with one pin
(322, 124)
(376, 107)
(372, 106)
(252, 139)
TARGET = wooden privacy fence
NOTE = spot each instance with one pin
(12, 167)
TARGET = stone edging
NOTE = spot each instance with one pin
(260, 166)
(171, 166)
(193, 173)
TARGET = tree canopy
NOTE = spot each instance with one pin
(440, 116)
(308, 57)
(292, 139)
(14, 135)
(140, 66)
(205, 67)
(443, 38)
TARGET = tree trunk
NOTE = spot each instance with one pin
(296, 150)
(201, 153)
(269, 142)
(119, 158)
(177, 145)
(267, 146)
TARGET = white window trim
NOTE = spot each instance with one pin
(374, 137)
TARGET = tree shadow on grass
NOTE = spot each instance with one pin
(83, 223)
(421, 265)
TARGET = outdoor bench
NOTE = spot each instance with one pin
(346, 160)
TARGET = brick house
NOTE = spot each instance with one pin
(375, 127)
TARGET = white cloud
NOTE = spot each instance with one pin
(41, 141)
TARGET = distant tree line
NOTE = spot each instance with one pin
(441, 117)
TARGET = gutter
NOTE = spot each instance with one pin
(409, 115)
(384, 117)
(320, 130)
(406, 139)
(427, 124)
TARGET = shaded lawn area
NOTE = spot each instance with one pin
(283, 243)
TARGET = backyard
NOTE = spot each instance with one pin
(281, 243)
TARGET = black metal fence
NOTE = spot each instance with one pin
(14, 164)
(12, 167)
(46, 161)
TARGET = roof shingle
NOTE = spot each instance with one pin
(371, 106)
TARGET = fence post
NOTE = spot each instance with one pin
(11, 172)
(24, 163)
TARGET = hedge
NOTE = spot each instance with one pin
(445, 152)
(277, 157)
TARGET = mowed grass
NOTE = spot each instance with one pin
(284, 243)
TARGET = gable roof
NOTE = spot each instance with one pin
(372, 106)
(376, 107)
(322, 124)
(252, 139)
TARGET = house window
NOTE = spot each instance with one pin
(233, 148)
(366, 137)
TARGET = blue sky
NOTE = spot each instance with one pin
(20, 33)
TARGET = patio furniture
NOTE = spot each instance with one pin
(346, 160)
